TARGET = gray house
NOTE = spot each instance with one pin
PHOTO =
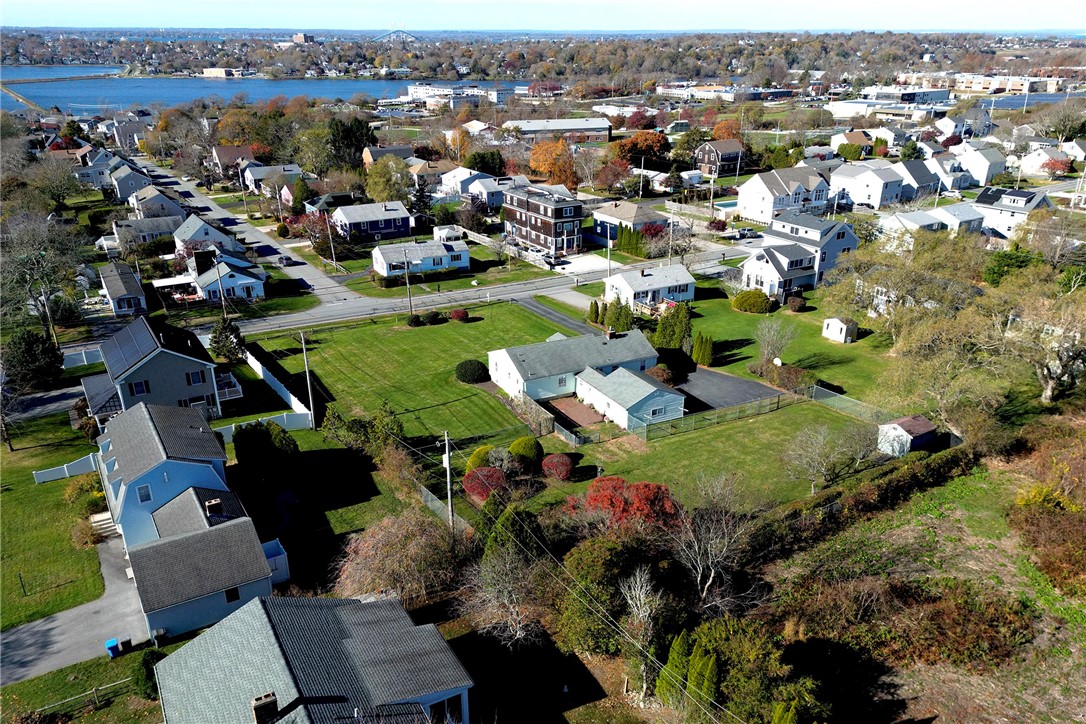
(315, 660)
(150, 202)
(123, 289)
(127, 182)
(153, 363)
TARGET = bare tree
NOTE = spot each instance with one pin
(773, 336)
(643, 602)
(708, 540)
(500, 247)
(53, 179)
(822, 456)
(498, 596)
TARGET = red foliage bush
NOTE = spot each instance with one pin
(482, 481)
(558, 466)
(623, 505)
(459, 315)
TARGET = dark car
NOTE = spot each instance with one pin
(284, 261)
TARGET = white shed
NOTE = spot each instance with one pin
(905, 434)
(840, 329)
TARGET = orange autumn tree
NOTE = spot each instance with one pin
(554, 159)
(728, 128)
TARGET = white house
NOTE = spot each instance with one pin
(607, 218)
(905, 434)
(797, 250)
(897, 229)
(959, 218)
(256, 175)
(150, 203)
(420, 257)
(1075, 149)
(1033, 164)
(650, 286)
(917, 180)
(840, 329)
(196, 234)
(948, 169)
(1005, 209)
(983, 164)
(457, 181)
(856, 138)
(785, 189)
(215, 274)
(863, 185)
(631, 400)
(950, 126)
(549, 369)
(492, 190)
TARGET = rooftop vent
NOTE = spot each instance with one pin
(265, 708)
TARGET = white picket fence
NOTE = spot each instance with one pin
(85, 464)
(82, 357)
(286, 420)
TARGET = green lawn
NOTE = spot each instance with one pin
(311, 257)
(853, 367)
(567, 309)
(618, 257)
(36, 535)
(592, 289)
(283, 297)
(750, 447)
(383, 359)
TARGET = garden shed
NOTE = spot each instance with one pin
(905, 434)
(840, 329)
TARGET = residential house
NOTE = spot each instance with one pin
(824, 166)
(894, 136)
(196, 234)
(372, 154)
(905, 434)
(917, 180)
(258, 179)
(977, 121)
(574, 130)
(949, 171)
(607, 218)
(155, 363)
(840, 329)
(959, 218)
(421, 257)
(225, 159)
(1075, 149)
(1033, 164)
(456, 182)
(123, 290)
(1005, 209)
(328, 203)
(983, 164)
(897, 229)
(796, 252)
(429, 173)
(862, 185)
(315, 660)
(632, 400)
(546, 218)
(127, 181)
(767, 194)
(475, 128)
(719, 158)
(930, 149)
(549, 369)
(856, 138)
(948, 126)
(373, 222)
(492, 190)
(650, 286)
(127, 233)
(217, 275)
(150, 202)
(128, 134)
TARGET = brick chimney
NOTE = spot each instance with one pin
(265, 708)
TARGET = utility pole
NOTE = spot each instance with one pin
(241, 187)
(222, 292)
(641, 178)
(308, 385)
(407, 280)
(328, 225)
(447, 460)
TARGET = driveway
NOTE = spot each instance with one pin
(40, 404)
(717, 389)
(78, 634)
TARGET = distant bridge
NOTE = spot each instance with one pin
(396, 36)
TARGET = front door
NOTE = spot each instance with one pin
(248, 292)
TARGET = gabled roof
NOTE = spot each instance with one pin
(139, 340)
(574, 354)
(725, 146)
(990, 154)
(630, 213)
(914, 425)
(150, 192)
(231, 154)
(427, 168)
(184, 567)
(120, 281)
(161, 225)
(820, 224)
(401, 152)
(996, 198)
(960, 212)
(858, 138)
(568, 125)
(331, 201)
(224, 268)
(195, 509)
(371, 212)
(101, 394)
(194, 225)
(326, 659)
(501, 183)
(647, 279)
(786, 180)
(258, 173)
(917, 172)
(624, 386)
(145, 435)
(416, 251)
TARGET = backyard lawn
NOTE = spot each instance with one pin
(36, 537)
(384, 359)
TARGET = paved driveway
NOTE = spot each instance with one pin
(80, 633)
(717, 389)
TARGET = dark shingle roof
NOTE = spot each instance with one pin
(188, 512)
(120, 281)
(141, 339)
(145, 435)
(184, 567)
(914, 425)
(325, 659)
(101, 394)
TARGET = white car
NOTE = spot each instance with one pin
(186, 178)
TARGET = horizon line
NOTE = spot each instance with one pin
(675, 31)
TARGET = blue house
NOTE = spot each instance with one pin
(373, 222)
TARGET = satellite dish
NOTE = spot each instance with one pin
(777, 361)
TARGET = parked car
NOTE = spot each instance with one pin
(284, 261)
(186, 178)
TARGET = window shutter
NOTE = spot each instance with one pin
(131, 389)
(147, 387)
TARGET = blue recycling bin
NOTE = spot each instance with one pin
(113, 648)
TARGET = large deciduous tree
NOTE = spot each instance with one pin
(554, 159)
(389, 180)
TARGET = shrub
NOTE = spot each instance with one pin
(472, 372)
(528, 450)
(79, 486)
(92, 503)
(1058, 538)
(482, 481)
(478, 458)
(796, 303)
(753, 301)
(84, 535)
(414, 320)
(281, 439)
(718, 225)
(1046, 497)
(558, 466)
(786, 377)
(433, 317)
(89, 427)
(65, 312)
(143, 677)
(282, 231)
(661, 374)
(459, 315)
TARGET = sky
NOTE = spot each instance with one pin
(544, 15)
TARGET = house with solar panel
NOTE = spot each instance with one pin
(194, 553)
(155, 363)
(315, 660)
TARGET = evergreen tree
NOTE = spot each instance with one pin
(672, 678)
(674, 179)
(601, 318)
(704, 691)
(227, 342)
(594, 312)
(624, 319)
(32, 361)
(420, 201)
(300, 193)
(613, 311)
(674, 328)
(703, 350)
(516, 529)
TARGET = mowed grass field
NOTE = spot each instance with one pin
(413, 368)
(36, 535)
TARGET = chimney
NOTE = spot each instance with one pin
(642, 272)
(609, 333)
(204, 260)
(213, 507)
(265, 708)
